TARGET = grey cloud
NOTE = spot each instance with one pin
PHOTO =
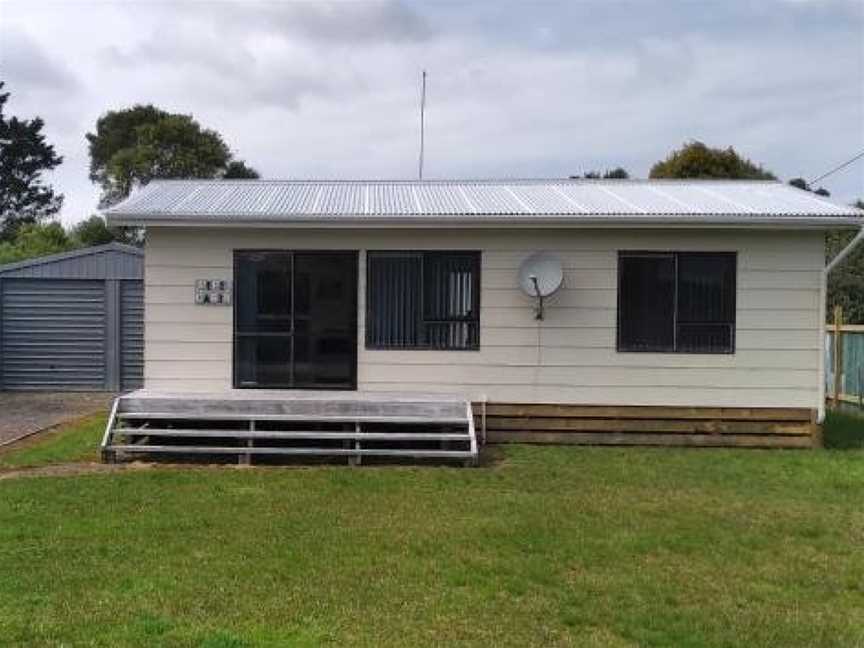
(182, 45)
(619, 24)
(337, 23)
(25, 64)
(272, 54)
(344, 22)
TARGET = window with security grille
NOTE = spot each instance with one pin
(676, 302)
(423, 300)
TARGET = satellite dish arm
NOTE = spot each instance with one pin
(539, 313)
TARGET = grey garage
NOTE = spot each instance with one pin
(73, 321)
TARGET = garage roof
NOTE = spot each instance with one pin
(109, 261)
(577, 202)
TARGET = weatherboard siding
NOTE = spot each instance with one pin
(569, 357)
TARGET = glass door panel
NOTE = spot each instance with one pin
(263, 319)
(295, 319)
(325, 320)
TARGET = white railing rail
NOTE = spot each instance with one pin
(109, 427)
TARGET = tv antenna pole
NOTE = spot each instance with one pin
(422, 122)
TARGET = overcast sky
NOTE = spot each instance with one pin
(516, 89)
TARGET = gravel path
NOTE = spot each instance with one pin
(24, 413)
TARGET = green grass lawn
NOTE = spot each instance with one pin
(543, 546)
(72, 442)
(844, 430)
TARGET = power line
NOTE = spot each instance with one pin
(836, 169)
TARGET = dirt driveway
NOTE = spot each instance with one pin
(23, 413)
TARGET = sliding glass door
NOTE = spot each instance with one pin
(295, 319)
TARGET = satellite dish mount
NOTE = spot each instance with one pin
(540, 276)
(538, 311)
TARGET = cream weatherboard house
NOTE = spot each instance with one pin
(369, 317)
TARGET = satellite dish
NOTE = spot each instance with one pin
(540, 276)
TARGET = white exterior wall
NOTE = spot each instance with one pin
(569, 357)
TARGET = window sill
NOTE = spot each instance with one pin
(676, 353)
(448, 350)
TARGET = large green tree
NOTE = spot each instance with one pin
(696, 160)
(24, 157)
(133, 146)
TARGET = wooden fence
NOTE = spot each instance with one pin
(844, 361)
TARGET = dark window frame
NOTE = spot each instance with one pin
(620, 347)
(422, 320)
(238, 254)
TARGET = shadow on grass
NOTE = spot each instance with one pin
(843, 430)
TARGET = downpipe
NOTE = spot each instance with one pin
(823, 298)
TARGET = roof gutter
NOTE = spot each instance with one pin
(466, 220)
(823, 307)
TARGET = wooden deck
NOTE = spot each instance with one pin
(647, 426)
(252, 423)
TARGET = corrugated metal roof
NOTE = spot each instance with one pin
(264, 201)
(108, 261)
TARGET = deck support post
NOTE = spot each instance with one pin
(245, 459)
(355, 460)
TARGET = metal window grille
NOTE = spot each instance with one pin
(423, 300)
(677, 302)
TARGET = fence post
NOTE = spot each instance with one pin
(860, 387)
(838, 353)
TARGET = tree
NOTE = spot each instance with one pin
(846, 283)
(237, 169)
(24, 157)
(93, 231)
(618, 173)
(696, 160)
(35, 239)
(801, 183)
(133, 146)
(116, 130)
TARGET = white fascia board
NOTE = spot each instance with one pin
(470, 221)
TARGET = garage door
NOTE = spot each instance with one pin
(53, 334)
(131, 334)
